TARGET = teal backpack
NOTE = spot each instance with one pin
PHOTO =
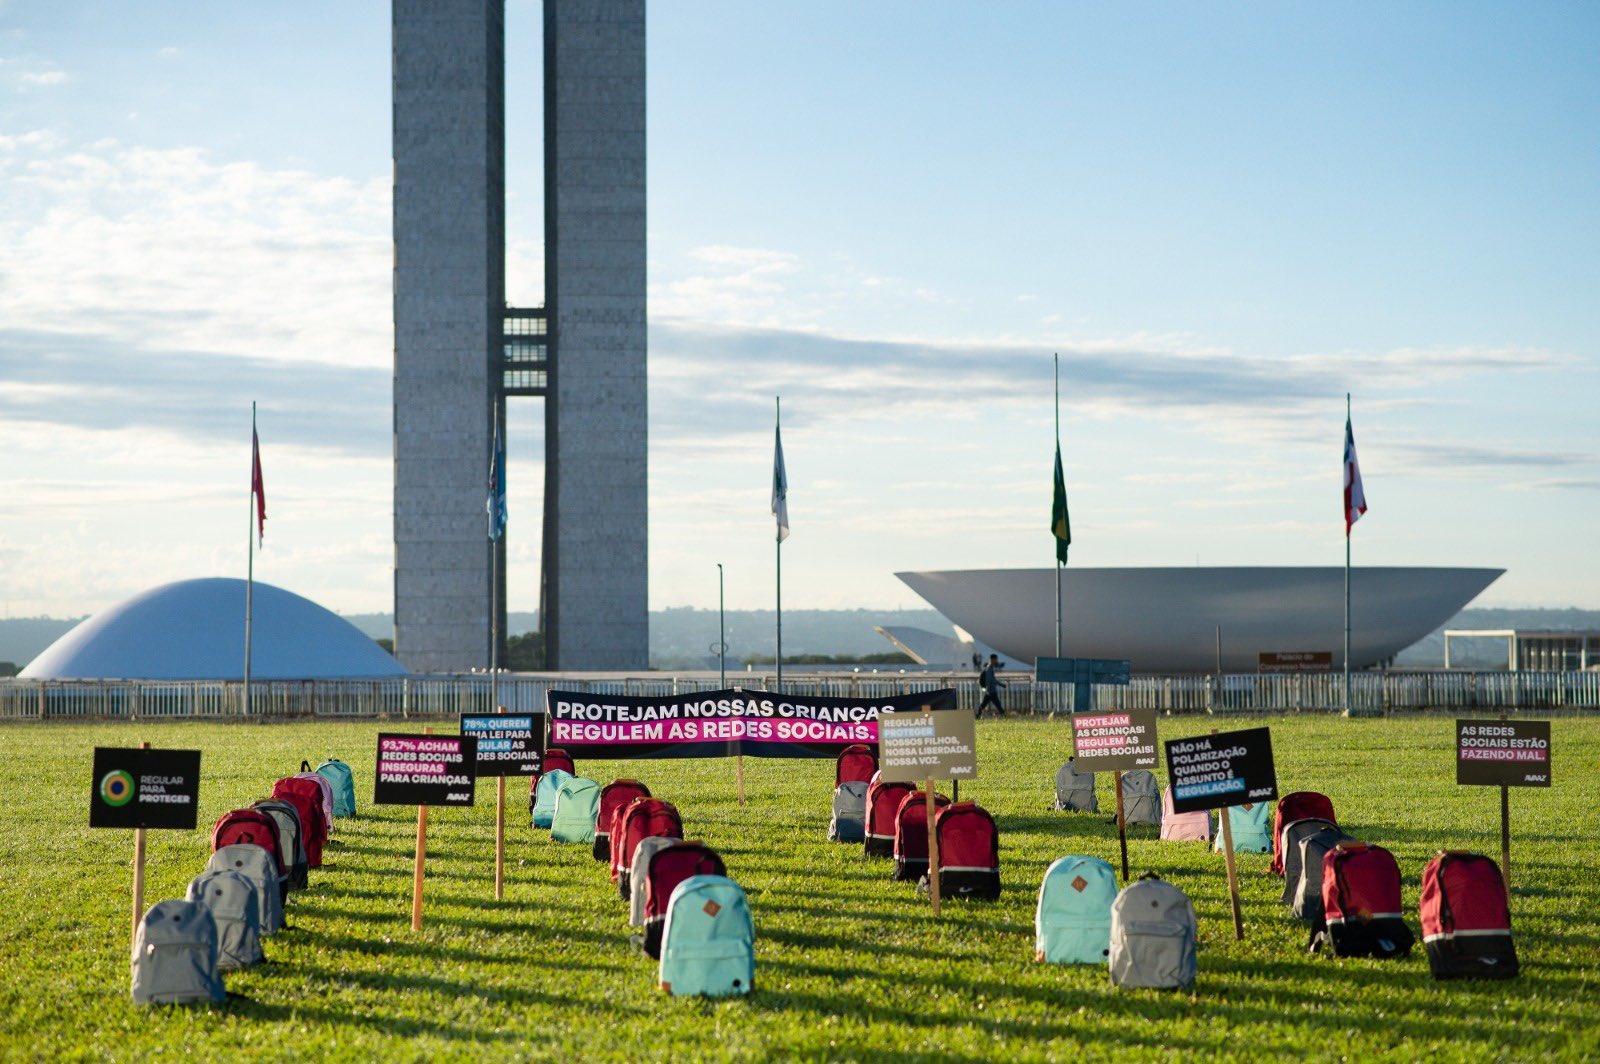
(343, 781)
(544, 796)
(1252, 828)
(577, 805)
(1073, 921)
(708, 944)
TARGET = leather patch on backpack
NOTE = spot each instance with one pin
(711, 908)
(1078, 884)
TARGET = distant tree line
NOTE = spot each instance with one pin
(893, 657)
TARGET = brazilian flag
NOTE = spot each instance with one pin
(1060, 527)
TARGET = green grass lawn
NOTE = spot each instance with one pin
(849, 964)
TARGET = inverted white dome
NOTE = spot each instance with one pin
(194, 630)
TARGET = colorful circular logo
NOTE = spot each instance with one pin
(116, 788)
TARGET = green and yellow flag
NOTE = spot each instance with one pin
(1060, 527)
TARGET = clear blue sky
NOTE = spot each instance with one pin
(1223, 216)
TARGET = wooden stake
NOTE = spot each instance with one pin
(1505, 833)
(500, 832)
(1505, 836)
(422, 852)
(933, 836)
(500, 838)
(741, 780)
(1122, 827)
(1233, 872)
(138, 872)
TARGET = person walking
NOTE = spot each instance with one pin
(990, 682)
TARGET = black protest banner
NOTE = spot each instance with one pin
(1223, 769)
(425, 770)
(1503, 753)
(721, 723)
(1120, 741)
(509, 744)
(136, 788)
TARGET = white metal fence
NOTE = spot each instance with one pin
(445, 696)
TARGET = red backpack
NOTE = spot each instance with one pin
(969, 851)
(883, 802)
(250, 827)
(855, 764)
(613, 796)
(1301, 805)
(324, 786)
(1361, 907)
(306, 797)
(670, 866)
(1466, 921)
(911, 834)
(642, 818)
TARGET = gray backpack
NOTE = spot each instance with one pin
(255, 864)
(639, 874)
(1307, 902)
(1153, 934)
(175, 955)
(1075, 790)
(849, 823)
(1141, 798)
(1292, 834)
(232, 901)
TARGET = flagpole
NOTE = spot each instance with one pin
(1059, 607)
(1347, 562)
(495, 532)
(250, 554)
(777, 421)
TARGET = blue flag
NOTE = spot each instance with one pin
(497, 487)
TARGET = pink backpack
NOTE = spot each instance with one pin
(1183, 827)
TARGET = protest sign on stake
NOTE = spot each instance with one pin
(922, 748)
(424, 770)
(141, 788)
(1503, 753)
(1219, 771)
(508, 745)
(1115, 742)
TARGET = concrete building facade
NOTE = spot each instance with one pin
(453, 367)
(596, 581)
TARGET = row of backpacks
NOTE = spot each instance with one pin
(1348, 892)
(691, 918)
(259, 856)
(891, 820)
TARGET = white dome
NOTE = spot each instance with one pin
(194, 630)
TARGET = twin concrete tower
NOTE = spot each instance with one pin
(460, 352)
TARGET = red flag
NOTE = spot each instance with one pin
(258, 490)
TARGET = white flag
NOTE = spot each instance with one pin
(780, 487)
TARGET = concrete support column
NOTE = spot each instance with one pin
(596, 580)
(449, 293)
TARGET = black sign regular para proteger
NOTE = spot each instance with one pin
(509, 744)
(1503, 753)
(136, 788)
(425, 770)
(1221, 770)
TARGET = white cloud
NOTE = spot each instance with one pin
(176, 248)
(42, 79)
